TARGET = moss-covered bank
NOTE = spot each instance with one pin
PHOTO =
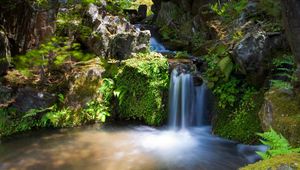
(290, 162)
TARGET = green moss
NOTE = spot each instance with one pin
(240, 122)
(291, 161)
(285, 112)
(143, 81)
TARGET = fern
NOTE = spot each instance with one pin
(278, 145)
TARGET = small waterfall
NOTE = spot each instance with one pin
(187, 103)
(157, 47)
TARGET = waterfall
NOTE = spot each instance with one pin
(187, 103)
(156, 46)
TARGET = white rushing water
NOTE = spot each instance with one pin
(187, 102)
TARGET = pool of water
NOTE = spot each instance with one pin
(130, 147)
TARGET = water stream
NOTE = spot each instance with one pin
(185, 144)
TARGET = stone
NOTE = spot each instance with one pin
(84, 84)
(114, 36)
(6, 96)
(28, 98)
(252, 54)
(281, 111)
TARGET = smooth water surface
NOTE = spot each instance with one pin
(118, 148)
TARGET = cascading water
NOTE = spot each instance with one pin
(186, 101)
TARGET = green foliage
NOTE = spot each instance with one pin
(227, 93)
(58, 118)
(181, 55)
(233, 121)
(220, 65)
(96, 111)
(167, 33)
(270, 7)
(237, 104)
(49, 55)
(12, 122)
(283, 66)
(198, 40)
(279, 84)
(229, 10)
(278, 145)
(140, 87)
(117, 6)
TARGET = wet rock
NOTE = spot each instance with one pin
(4, 52)
(84, 84)
(253, 51)
(28, 98)
(281, 112)
(114, 36)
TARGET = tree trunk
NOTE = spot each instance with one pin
(291, 18)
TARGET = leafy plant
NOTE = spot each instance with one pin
(283, 72)
(271, 8)
(229, 10)
(278, 145)
(96, 111)
(279, 84)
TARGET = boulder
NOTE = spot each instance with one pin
(84, 84)
(252, 53)
(114, 36)
(4, 53)
(281, 111)
(28, 98)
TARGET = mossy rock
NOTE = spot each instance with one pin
(239, 122)
(143, 84)
(84, 83)
(282, 162)
(281, 111)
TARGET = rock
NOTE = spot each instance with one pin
(114, 36)
(28, 98)
(4, 53)
(6, 96)
(253, 51)
(281, 112)
(26, 25)
(84, 84)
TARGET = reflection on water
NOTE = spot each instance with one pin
(121, 148)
